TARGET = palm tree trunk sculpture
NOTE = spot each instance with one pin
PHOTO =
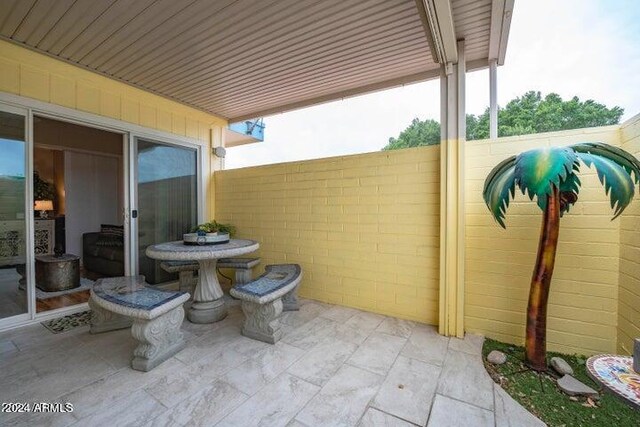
(540, 284)
(550, 175)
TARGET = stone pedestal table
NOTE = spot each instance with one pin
(208, 303)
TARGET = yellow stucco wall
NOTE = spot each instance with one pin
(364, 228)
(629, 292)
(34, 75)
(582, 310)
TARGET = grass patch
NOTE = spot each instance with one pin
(553, 406)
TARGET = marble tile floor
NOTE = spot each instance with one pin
(335, 366)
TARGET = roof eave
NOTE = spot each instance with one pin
(501, 12)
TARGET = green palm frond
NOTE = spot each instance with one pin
(617, 155)
(614, 177)
(538, 171)
(499, 189)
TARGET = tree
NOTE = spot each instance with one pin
(419, 133)
(531, 113)
(550, 174)
(524, 115)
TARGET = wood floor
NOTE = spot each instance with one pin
(62, 301)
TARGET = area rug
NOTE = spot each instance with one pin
(85, 285)
(66, 323)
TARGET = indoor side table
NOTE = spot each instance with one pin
(57, 273)
(208, 303)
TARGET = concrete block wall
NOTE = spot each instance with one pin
(583, 304)
(629, 291)
(364, 228)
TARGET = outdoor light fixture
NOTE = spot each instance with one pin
(43, 206)
(220, 152)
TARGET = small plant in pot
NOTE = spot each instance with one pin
(214, 228)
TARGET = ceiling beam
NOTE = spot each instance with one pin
(501, 11)
(439, 29)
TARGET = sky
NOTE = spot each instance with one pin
(584, 48)
(12, 160)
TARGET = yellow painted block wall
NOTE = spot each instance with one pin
(583, 304)
(629, 292)
(364, 228)
(34, 75)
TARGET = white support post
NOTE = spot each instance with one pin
(493, 98)
(453, 139)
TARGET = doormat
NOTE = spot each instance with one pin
(85, 285)
(66, 323)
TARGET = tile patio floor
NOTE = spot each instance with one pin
(334, 366)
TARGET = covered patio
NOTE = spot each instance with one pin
(399, 282)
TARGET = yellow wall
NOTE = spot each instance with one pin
(34, 75)
(364, 228)
(582, 310)
(629, 292)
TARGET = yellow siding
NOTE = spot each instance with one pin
(582, 311)
(629, 293)
(364, 228)
(34, 75)
(27, 73)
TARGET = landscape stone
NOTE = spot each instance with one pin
(573, 387)
(497, 357)
(561, 366)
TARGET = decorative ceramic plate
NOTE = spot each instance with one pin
(617, 375)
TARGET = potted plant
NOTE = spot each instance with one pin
(551, 176)
(213, 228)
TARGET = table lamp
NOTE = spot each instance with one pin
(43, 206)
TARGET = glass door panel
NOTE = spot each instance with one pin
(13, 218)
(167, 186)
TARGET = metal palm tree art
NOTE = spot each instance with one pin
(551, 175)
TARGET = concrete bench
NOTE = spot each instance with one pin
(242, 266)
(262, 301)
(185, 271)
(155, 317)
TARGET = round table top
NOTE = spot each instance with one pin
(178, 251)
(616, 374)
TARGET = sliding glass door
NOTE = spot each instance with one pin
(14, 216)
(167, 201)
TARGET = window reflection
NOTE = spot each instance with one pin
(167, 201)
(13, 296)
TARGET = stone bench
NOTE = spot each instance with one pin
(155, 317)
(242, 266)
(262, 300)
(185, 271)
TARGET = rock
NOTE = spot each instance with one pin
(561, 366)
(573, 387)
(497, 357)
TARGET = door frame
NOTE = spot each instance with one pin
(129, 131)
(28, 221)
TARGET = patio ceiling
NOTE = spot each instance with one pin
(241, 59)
